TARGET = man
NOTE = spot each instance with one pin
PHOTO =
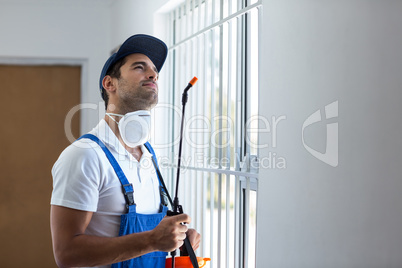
(107, 202)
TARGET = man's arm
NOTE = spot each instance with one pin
(72, 247)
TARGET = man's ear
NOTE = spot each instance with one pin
(108, 83)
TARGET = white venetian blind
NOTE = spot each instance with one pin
(217, 41)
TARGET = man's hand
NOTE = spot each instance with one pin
(194, 237)
(170, 233)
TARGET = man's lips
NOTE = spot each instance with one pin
(150, 84)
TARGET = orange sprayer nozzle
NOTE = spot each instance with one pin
(193, 81)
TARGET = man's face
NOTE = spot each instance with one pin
(137, 87)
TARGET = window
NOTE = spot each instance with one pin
(217, 41)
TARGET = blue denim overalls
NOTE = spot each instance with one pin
(132, 222)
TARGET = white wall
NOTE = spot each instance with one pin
(75, 32)
(72, 32)
(130, 17)
(311, 214)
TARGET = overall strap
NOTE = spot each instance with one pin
(163, 190)
(189, 251)
(128, 189)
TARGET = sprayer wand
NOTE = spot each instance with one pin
(177, 208)
(183, 101)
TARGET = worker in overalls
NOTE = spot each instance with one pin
(108, 203)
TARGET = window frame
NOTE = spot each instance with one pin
(245, 176)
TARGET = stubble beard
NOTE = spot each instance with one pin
(135, 98)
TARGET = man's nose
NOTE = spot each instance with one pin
(152, 74)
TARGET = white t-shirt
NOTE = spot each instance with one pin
(84, 179)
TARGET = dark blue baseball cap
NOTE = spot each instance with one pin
(155, 49)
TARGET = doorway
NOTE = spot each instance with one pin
(34, 103)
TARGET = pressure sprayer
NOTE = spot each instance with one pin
(176, 207)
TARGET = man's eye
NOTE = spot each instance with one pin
(139, 67)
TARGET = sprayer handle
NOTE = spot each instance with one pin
(178, 211)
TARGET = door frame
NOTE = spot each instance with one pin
(83, 63)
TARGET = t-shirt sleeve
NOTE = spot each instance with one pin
(76, 177)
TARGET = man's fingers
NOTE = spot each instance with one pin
(194, 237)
(170, 232)
(181, 236)
(182, 218)
(183, 228)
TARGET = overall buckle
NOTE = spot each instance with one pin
(128, 191)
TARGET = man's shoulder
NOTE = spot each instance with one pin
(80, 150)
